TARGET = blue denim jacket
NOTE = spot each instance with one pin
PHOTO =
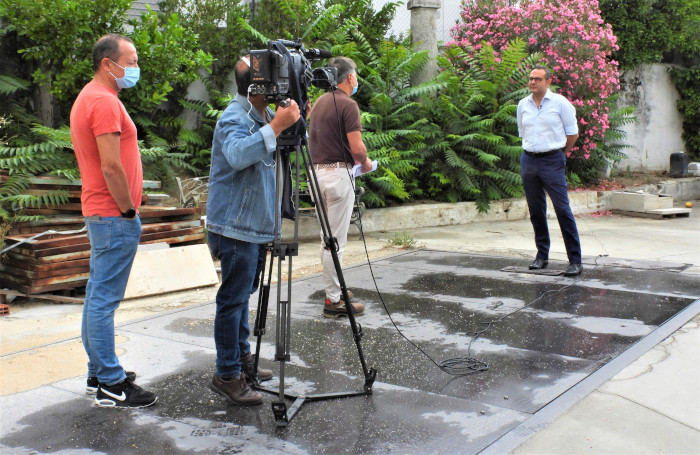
(241, 200)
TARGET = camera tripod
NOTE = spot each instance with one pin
(281, 251)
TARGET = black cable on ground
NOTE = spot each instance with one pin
(463, 366)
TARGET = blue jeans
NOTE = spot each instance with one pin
(547, 173)
(239, 264)
(113, 244)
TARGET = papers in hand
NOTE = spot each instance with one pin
(357, 169)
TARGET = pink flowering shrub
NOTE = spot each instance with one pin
(576, 45)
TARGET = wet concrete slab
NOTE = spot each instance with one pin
(539, 335)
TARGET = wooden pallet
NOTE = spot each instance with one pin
(52, 297)
(56, 262)
(658, 214)
(63, 217)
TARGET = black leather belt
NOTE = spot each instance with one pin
(551, 152)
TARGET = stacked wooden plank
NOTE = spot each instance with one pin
(63, 217)
(48, 263)
(56, 261)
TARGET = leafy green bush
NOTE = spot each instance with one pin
(609, 149)
(169, 59)
(575, 44)
(52, 156)
(390, 120)
(370, 23)
(287, 19)
(687, 82)
(168, 56)
(647, 29)
(214, 24)
(472, 150)
(51, 42)
(15, 111)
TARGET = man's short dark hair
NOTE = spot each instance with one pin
(547, 74)
(107, 46)
(242, 77)
(345, 67)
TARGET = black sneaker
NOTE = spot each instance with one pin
(124, 394)
(93, 384)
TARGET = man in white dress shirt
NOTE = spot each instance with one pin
(547, 125)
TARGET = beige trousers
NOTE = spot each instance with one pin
(337, 189)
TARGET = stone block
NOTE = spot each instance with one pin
(169, 270)
(639, 202)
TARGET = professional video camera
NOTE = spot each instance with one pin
(283, 70)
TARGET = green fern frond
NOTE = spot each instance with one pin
(262, 39)
(321, 24)
(9, 84)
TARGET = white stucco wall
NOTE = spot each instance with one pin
(658, 131)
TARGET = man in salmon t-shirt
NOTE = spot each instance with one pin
(105, 143)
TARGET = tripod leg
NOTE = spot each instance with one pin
(283, 323)
(261, 315)
(332, 245)
(283, 414)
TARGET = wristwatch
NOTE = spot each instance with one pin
(129, 213)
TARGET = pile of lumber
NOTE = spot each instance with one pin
(54, 261)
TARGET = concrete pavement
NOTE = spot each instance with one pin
(649, 405)
(652, 405)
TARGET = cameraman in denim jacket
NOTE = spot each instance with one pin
(240, 217)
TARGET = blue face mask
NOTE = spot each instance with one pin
(131, 76)
(357, 83)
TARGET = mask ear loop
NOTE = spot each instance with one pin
(115, 77)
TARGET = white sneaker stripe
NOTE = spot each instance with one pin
(121, 397)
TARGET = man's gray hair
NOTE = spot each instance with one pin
(107, 46)
(345, 67)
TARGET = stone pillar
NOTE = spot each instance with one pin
(424, 21)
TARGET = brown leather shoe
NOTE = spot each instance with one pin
(336, 310)
(247, 364)
(235, 391)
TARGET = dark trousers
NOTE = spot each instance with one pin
(239, 263)
(547, 174)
